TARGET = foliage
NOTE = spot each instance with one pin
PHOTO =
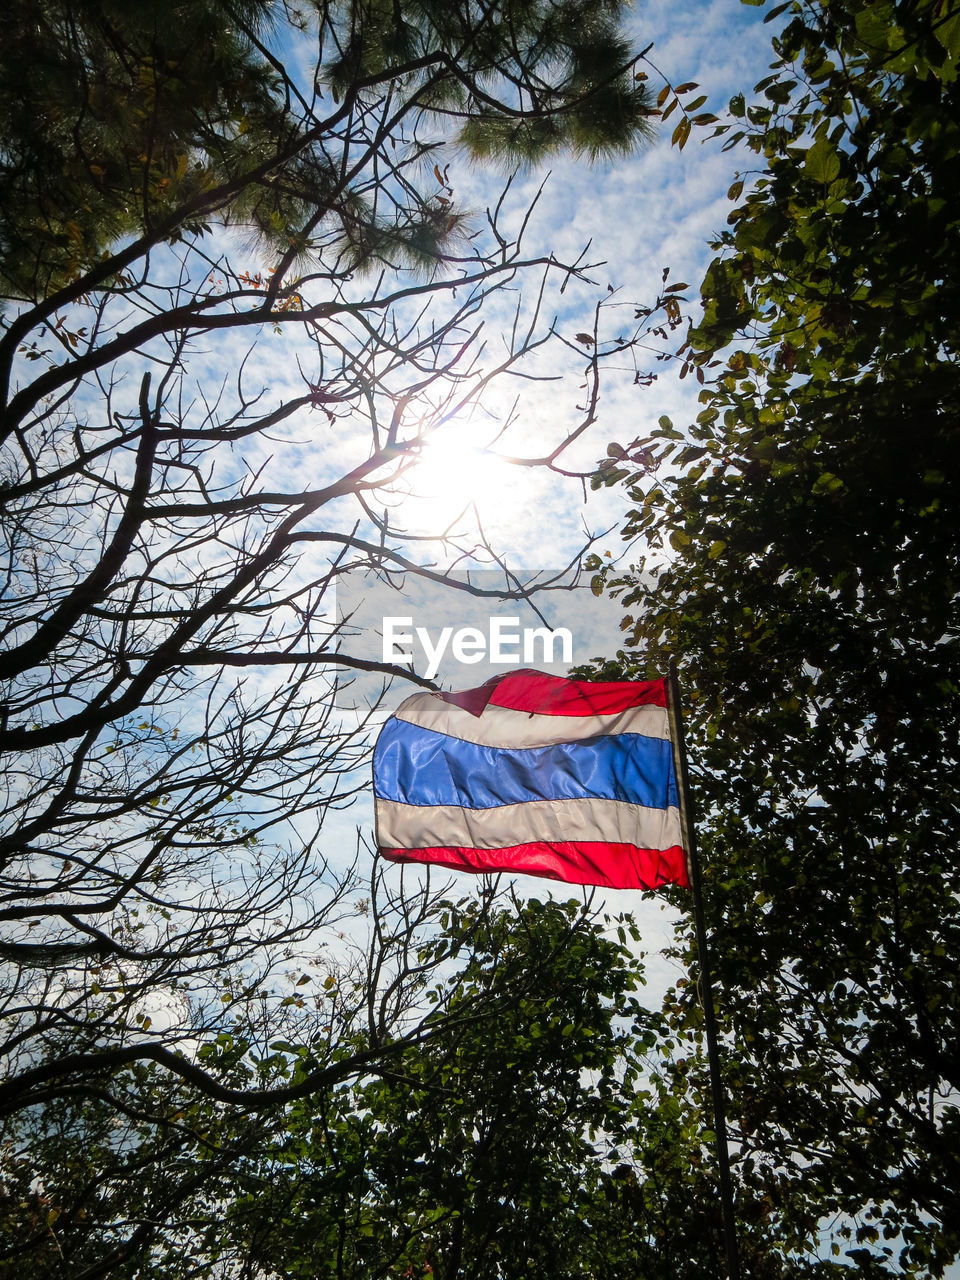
(526, 1143)
(480, 1154)
(95, 1185)
(800, 557)
(114, 116)
(149, 120)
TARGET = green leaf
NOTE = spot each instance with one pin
(947, 31)
(822, 163)
(827, 483)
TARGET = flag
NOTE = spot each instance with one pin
(534, 773)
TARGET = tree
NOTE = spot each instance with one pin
(564, 1135)
(484, 1153)
(172, 531)
(348, 1180)
(800, 557)
(113, 116)
(146, 120)
(557, 1138)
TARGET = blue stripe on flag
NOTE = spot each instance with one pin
(421, 767)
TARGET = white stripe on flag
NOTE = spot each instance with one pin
(408, 826)
(504, 727)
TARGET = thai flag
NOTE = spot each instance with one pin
(534, 773)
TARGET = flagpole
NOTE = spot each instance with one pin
(706, 988)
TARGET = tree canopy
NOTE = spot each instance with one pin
(798, 553)
(147, 120)
(481, 1153)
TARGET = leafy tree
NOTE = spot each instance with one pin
(148, 120)
(238, 301)
(800, 557)
(506, 1145)
(96, 1186)
(557, 1138)
(483, 1153)
(115, 115)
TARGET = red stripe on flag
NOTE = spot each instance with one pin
(555, 696)
(612, 866)
(542, 694)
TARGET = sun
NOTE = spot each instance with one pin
(450, 476)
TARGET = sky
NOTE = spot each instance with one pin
(656, 210)
(633, 219)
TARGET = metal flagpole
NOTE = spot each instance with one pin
(706, 988)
